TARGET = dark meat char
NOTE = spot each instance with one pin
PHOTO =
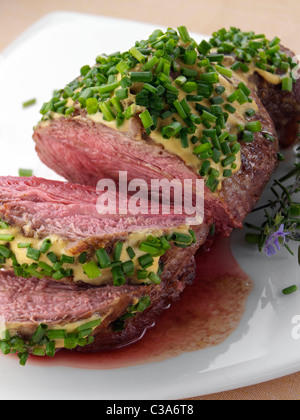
(83, 151)
(283, 106)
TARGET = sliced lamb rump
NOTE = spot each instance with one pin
(34, 210)
(169, 114)
(27, 303)
(84, 151)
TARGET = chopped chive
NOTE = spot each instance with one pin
(23, 245)
(149, 248)
(150, 63)
(4, 251)
(91, 270)
(224, 71)
(33, 254)
(107, 112)
(227, 173)
(118, 276)
(146, 119)
(67, 259)
(71, 341)
(118, 251)
(28, 103)
(7, 238)
(212, 183)
(82, 257)
(244, 88)
(137, 55)
(225, 148)
(3, 225)
(103, 258)
(154, 278)
(287, 84)
(89, 325)
(142, 274)
(254, 126)
(180, 80)
(25, 172)
(46, 245)
(289, 290)
(171, 130)
(141, 76)
(130, 252)
(122, 67)
(108, 88)
(250, 112)
(204, 168)
(58, 275)
(121, 93)
(228, 160)
(180, 109)
(209, 117)
(182, 238)
(210, 77)
(46, 267)
(128, 268)
(252, 238)
(248, 136)
(92, 106)
(194, 98)
(204, 47)
(202, 148)
(56, 334)
(84, 70)
(189, 87)
(52, 257)
(190, 57)
(184, 34)
(146, 261)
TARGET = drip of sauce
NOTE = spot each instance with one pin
(207, 313)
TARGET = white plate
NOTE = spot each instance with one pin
(44, 58)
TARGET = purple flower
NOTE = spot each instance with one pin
(273, 241)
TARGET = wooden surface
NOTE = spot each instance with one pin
(272, 17)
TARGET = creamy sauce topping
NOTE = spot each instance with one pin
(173, 145)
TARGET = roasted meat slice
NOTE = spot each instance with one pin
(66, 267)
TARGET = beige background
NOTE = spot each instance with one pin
(272, 17)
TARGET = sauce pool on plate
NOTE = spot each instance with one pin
(207, 313)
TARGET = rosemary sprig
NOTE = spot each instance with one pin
(281, 214)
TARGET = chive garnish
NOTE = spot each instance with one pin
(29, 103)
(24, 245)
(25, 172)
(46, 245)
(103, 258)
(67, 259)
(289, 290)
(91, 270)
(146, 261)
(118, 276)
(7, 238)
(33, 254)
